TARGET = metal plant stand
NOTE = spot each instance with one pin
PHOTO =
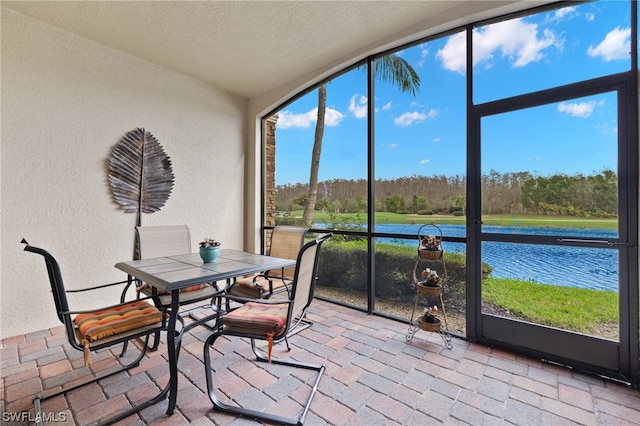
(429, 248)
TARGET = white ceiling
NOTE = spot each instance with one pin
(251, 47)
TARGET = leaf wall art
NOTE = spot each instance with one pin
(140, 173)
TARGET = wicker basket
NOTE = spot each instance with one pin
(432, 325)
(430, 254)
(427, 290)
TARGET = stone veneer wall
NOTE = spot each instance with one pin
(270, 177)
(270, 170)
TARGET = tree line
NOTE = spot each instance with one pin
(502, 193)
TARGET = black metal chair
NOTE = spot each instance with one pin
(270, 321)
(97, 329)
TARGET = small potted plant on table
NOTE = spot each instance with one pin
(209, 250)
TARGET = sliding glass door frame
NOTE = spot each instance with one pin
(614, 359)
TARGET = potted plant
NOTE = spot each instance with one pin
(209, 250)
(430, 247)
(430, 242)
(430, 284)
(431, 278)
(428, 321)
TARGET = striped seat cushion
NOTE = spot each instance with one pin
(258, 319)
(253, 287)
(97, 325)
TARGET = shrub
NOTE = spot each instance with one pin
(343, 265)
(293, 221)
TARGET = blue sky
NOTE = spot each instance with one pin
(426, 134)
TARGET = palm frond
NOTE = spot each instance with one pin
(398, 71)
(140, 173)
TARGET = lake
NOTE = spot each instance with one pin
(594, 268)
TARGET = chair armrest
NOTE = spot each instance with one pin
(97, 287)
(269, 274)
(270, 279)
(102, 308)
(244, 300)
(262, 275)
(128, 282)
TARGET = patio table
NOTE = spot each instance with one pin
(172, 273)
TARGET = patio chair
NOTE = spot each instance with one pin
(270, 321)
(159, 241)
(95, 329)
(286, 242)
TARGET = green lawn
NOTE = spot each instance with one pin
(570, 308)
(499, 220)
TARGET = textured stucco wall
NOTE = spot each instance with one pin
(65, 101)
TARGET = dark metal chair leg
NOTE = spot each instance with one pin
(120, 416)
(249, 413)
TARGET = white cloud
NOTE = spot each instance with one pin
(607, 128)
(516, 40)
(564, 12)
(387, 106)
(436, 140)
(408, 118)
(288, 119)
(590, 17)
(332, 117)
(358, 106)
(453, 54)
(616, 45)
(424, 53)
(425, 161)
(393, 145)
(579, 109)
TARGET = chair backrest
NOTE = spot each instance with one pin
(158, 241)
(57, 286)
(304, 280)
(286, 242)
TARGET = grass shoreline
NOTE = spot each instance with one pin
(489, 220)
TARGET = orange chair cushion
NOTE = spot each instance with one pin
(100, 324)
(192, 288)
(253, 287)
(257, 318)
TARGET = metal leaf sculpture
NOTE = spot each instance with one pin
(140, 173)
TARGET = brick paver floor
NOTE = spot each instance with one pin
(374, 376)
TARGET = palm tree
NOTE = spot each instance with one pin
(461, 202)
(390, 68)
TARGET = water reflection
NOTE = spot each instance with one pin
(595, 268)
